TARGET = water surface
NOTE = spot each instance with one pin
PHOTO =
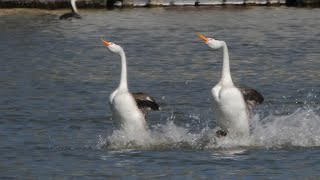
(56, 77)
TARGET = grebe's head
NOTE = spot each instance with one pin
(112, 46)
(213, 43)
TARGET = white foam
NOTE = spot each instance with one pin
(300, 128)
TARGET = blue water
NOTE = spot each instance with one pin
(56, 77)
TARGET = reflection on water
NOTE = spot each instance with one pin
(56, 77)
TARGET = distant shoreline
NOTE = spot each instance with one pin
(60, 4)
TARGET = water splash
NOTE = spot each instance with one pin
(300, 128)
(165, 136)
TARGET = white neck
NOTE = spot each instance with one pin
(226, 75)
(123, 79)
(74, 7)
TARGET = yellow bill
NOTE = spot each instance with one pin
(205, 39)
(105, 42)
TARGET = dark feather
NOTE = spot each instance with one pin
(70, 15)
(145, 102)
(251, 96)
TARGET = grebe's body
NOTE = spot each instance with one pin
(129, 109)
(232, 105)
(74, 12)
(126, 111)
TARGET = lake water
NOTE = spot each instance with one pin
(56, 77)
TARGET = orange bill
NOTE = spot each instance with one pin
(105, 42)
(203, 37)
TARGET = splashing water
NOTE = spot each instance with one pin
(159, 136)
(301, 128)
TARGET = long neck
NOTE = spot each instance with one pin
(74, 7)
(226, 75)
(123, 79)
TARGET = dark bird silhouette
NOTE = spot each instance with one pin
(73, 13)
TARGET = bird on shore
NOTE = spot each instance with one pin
(74, 12)
(130, 109)
(232, 104)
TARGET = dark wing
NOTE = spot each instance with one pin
(251, 96)
(70, 15)
(145, 102)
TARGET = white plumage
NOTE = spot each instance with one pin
(231, 104)
(130, 109)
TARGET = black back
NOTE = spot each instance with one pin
(70, 15)
(251, 96)
(145, 102)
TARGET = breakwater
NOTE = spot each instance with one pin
(56, 4)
